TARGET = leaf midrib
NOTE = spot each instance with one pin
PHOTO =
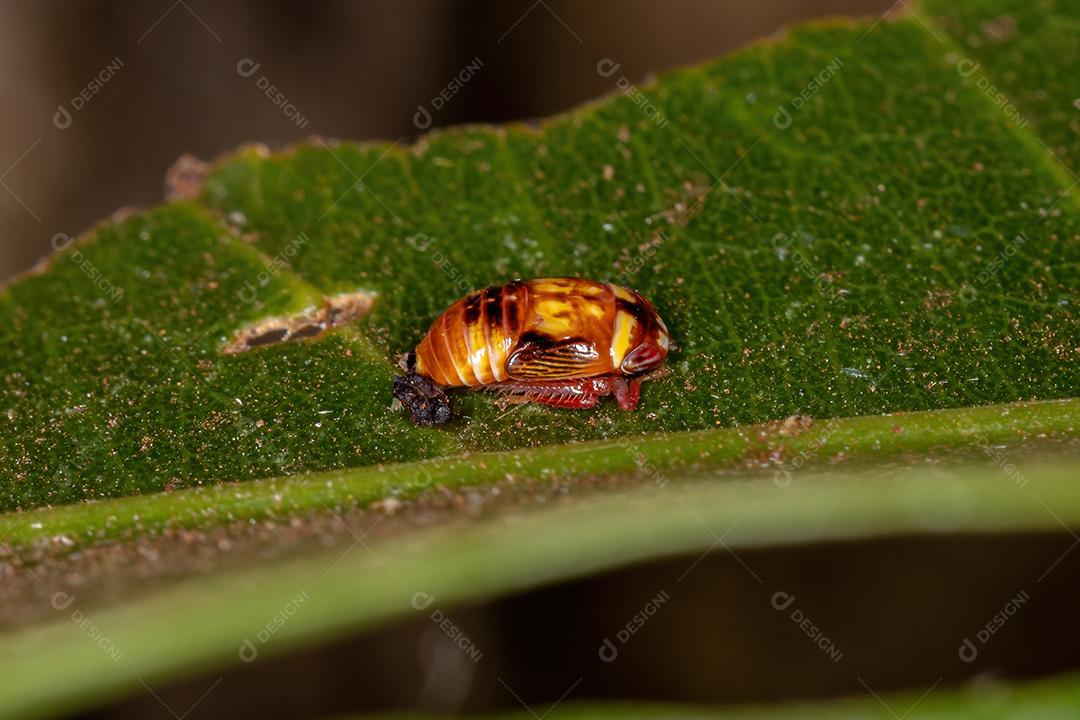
(647, 458)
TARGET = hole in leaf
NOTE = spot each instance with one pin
(336, 310)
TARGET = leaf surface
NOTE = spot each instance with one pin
(888, 249)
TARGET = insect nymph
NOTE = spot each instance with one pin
(564, 342)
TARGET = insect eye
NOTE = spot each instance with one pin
(645, 357)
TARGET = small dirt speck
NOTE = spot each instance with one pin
(185, 179)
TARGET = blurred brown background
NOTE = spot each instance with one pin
(897, 609)
(159, 79)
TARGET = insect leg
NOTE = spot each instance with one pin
(580, 402)
(573, 393)
(627, 392)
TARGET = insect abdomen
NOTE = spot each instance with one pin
(470, 343)
(552, 327)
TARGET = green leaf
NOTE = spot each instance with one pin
(844, 224)
(1004, 50)
(162, 634)
(861, 259)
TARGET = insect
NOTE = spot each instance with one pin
(561, 341)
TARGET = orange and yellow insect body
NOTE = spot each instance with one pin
(560, 341)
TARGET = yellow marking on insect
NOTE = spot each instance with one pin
(622, 293)
(476, 347)
(620, 337)
(555, 316)
(450, 354)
